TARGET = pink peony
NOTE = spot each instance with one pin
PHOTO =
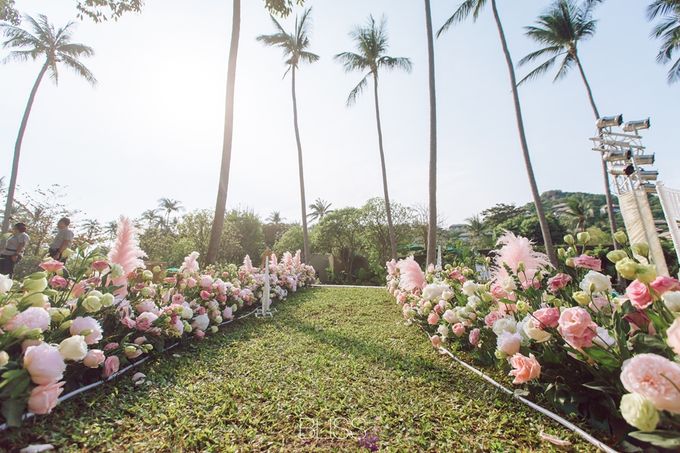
(78, 290)
(663, 284)
(111, 366)
(58, 282)
(147, 305)
(577, 328)
(492, 317)
(548, 317)
(639, 295)
(100, 265)
(205, 295)
(558, 282)
(44, 398)
(52, 266)
(436, 341)
(227, 313)
(524, 368)
(433, 318)
(111, 346)
(474, 337)
(458, 329)
(177, 299)
(145, 320)
(206, 281)
(588, 262)
(31, 318)
(44, 363)
(94, 358)
(191, 282)
(81, 324)
(654, 377)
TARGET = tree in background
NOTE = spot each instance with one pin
(579, 209)
(55, 46)
(319, 209)
(169, 206)
(371, 43)
(473, 8)
(9, 13)
(478, 234)
(560, 30)
(668, 31)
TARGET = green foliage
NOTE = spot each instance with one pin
(290, 241)
(9, 13)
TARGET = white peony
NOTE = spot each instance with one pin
(443, 330)
(201, 322)
(596, 282)
(470, 288)
(531, 327)
(434, 291)
(451, 317)
(5, 284)
(672, 301)
(73, 348)
(506, 324)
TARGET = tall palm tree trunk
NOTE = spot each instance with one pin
(605, 174)
(303, 202)
(432, 221)
(221, 203)
(545, 229)
(17, 150)
(388, 208)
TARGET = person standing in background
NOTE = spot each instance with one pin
(62, 240)
(14, 249)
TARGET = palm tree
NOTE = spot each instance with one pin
(432, 221)
(474, 8)
(320, 208)
(560, 29)
(476, 230)
(371, 43)
(43, 41)
(668, 30)
(225, 165)
(294, 46)
(169, 206)
(111, 229)
(580, 210)
(275, 218)
(152, 218)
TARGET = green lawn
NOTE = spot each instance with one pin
(333, 365)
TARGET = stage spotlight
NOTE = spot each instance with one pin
(609, 121)
(634, 126)
(613, 156)
(644, 159)
(649, 187)
(622, 170)
(648, 175)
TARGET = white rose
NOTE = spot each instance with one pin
(504, 325)
(531, 327)
(473, 301)
(5, 284)
(672, 301)
(447, 294)
(201, 322)
(4, 358)
(187, 313)
(73, 348)
(603, 339)
(443, 330)
(599, 283)
(469, 288)
(434, 291)
(451, 317)
(638, 411)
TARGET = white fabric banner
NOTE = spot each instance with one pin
(670, 202)
(637, 215)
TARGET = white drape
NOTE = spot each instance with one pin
(670, 202)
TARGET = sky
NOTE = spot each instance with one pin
(153, 125)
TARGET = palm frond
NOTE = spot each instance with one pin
(467, 8)
(76, 50)
(356, 91)
(564, 67)
(79, 69)
(395, 63)
(552, 51)
(352, 61)
(539, 70)
(662, 8)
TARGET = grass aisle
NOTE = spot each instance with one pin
(332, 365)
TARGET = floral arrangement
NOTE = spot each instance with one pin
(601, 349)
(75, 323)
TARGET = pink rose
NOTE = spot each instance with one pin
(58, 282)
(111, 366)
(588, 262)
(31, 318)
(100, 265)
(433, 318)
(436, 341)
(206, 281)
(44, 398)
(81, 324)
(44, 363)
(177, 299)
(577, 327)
(458, 329)
(199, 334)
(111, 346)
(548, 317)
(492, 317)
(78, 290)
(663, 284)
(227, 313)
(497, 292)
(639, 295)
(52, 266)
(673, 334)
(205, 295)
(474, 337)
(654, 377)
(558, 282)
(524, 368)
(147, 305)
(145, 320)
(94, 358)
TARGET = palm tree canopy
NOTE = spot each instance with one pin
(668, 30)
(294, 45)
(170, 205)
(319, 209)
(275, 217)
(44, 41)
(467, 8)
(371, 43)
(559, 29)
